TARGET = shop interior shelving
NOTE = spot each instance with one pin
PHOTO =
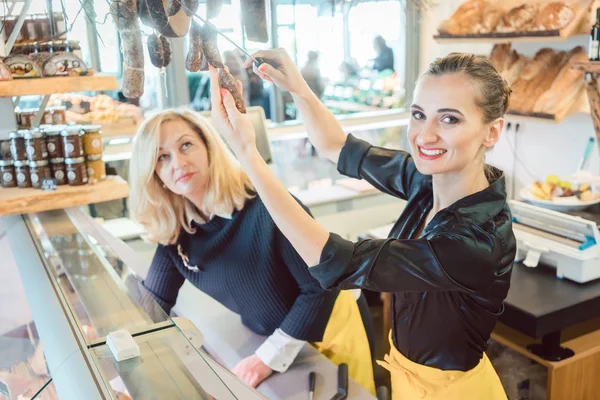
(578, 26)
(62, 84)
(23, 201)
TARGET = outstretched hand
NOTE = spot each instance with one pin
(235, 127)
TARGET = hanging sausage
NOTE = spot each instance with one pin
(159, 49)
(213, 8)
(124, 13)
(254, 19)
(209, 46)
(227, 81)
(195, 56)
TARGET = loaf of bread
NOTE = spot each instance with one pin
(566, 87)
(469, 15)
(543, 83)
(530, 76)
(519, 19)
(555, 15)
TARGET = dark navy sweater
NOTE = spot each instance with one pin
(249, 266)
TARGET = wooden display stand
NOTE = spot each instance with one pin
(592, 70)
(23, 201)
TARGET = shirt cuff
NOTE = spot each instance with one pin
(279, 350)
(351, 156)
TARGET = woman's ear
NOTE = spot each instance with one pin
(493, 133)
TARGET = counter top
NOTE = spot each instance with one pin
(228, 341)
(539, 303)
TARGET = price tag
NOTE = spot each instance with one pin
(48, 184)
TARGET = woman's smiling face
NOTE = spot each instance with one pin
(447, 131)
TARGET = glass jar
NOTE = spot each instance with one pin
(5, 153)
(7, 171)
(22, 174)
(59, 170)
(72, 143)
(96, 167)
(54, 142)
(17, 146)
(76, 171)
(27, 117)
(92, 140)
(35, 145)
(59, 115)
(39, 170)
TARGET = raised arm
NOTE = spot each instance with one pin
(324, 131)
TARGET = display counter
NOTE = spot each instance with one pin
(80, 285)
(79, 290)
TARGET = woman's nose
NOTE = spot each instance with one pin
(179, 161)
(428, 134)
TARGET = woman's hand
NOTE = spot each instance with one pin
(235, 127)
(252, 370)
(280, 69)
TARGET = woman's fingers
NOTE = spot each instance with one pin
(215, 88)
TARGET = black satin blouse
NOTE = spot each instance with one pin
(450, 281)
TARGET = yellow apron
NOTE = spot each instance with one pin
(411, 381)
(345, 341)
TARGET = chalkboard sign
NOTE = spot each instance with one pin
(48, 184)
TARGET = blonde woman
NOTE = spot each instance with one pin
(195, 202)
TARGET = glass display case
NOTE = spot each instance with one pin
(80, 288)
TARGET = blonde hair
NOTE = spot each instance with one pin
(163, 213)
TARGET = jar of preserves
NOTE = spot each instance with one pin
(76, 171)
(22, 174)
(39, 170)
(35, 145)
(72, 143)
(59, 115)
(27, 117)
(17, 146)
(92, 139)
(5, 153)
(59, 170)
(7, 173)
(54, 141)
(96, 167)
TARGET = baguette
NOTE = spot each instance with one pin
(566, 86)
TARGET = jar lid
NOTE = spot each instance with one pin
(13, 135)
(72, 130)
(20, 163)
(91, 128)
(94, 157)
(40, 163)
(78, 160)
(6, 163)
(58, 160)
(22, 132)
(34, 134)
(54, 130)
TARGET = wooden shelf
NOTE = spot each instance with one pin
(66, 84)
(22, 201)
(581, 105)
(591, 66)
(512, 37)
(578, 26)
